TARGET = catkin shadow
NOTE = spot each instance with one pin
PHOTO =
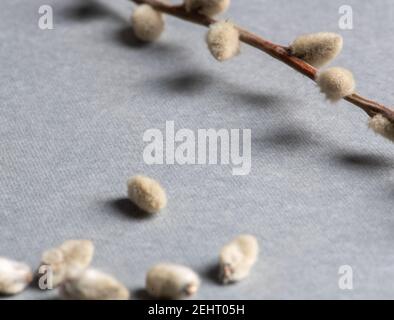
(289, 138)
(211, 273)
(125, 35)
(361, 161)
(141, 294)
(85, 11)
(185, 82)
(128, 209)
(258, 99)
(34, 284)
(276, 103)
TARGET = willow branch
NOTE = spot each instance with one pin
(276, 51)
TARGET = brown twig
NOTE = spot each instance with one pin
(278, 52)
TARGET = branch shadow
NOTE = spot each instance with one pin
(128, 209)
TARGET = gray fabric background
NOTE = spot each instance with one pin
(75, 102)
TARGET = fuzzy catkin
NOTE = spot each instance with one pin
(237, 258)
(209, 8)
(383, 126)
(94, 285)
(223, 40)
(336, 83)
(54, 259)
(317, 49)
(171, 281)
(14, 276)
(68, 260)
(148, 24)
(147, 194)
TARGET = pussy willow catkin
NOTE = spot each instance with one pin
(171, 281)
(237, 258)
(382, 126)
(223, 40)
(147, 194)
(93, 284)
(148, 24)
(207, 7)
(14, 276)
(68, 260)
(317, 49)
(336, 83)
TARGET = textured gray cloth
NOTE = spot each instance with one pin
(76, 100)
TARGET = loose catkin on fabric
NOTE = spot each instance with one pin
(237, 258)
(171, 281)
(14, 276)
(68, 260)
(147, 194)
(94, 285)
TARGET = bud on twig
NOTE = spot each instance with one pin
(223, 40)
(148, 24)
(317, 49)
(336, 83)
(381, 125)
(209, 8)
